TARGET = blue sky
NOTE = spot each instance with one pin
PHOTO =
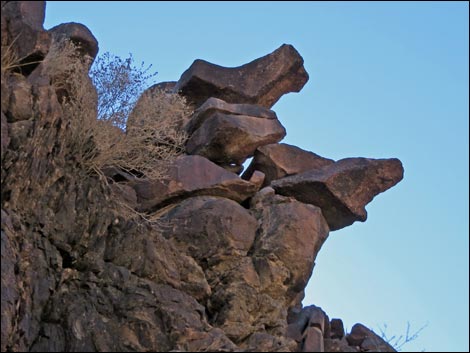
(386, 80)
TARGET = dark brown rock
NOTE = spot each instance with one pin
(262, 81)
(213, 105)
(338, 345)
(23, 33)
(5, 138)
(210, 228)
(343, 189)
(79, 34)
(20, 105)
(313, 340)
(367, 340)
(189, 176)
(227, 139)
(290, 236)
(337, 329)
(279, 160)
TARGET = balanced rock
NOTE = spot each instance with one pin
(189, 176)
(262, 81)
(213, 105)
(280, 159)
(342, 189)
(231, 139)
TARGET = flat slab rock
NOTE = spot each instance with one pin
(262, 81)
(231, 139)
(342, 189)
(213, 105)
(278, 160)
(191, 176)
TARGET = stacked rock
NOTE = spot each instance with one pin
(257, 262)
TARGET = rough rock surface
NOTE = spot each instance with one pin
(79, 35)
(280, 159)
(190, 176)
(231, 139)
(210, 264)
(262, 81)
(213, 105)
(343, 189)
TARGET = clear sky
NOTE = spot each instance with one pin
(388, 79)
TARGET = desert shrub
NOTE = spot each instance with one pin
(119, 83)
(97, 123)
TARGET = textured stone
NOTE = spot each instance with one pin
(294, 243)
(210, 228)
(5, 138)
(279, 160)
(189, 176)
(213, 105)
(20, 105)
(227, 139)
(343, 189)
(22, 28)
(337, 329)
(313, 340)
(262, 81)
(79, 34)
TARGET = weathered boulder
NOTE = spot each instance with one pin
(280, 159)
(290, 236)
(262, 81)
(23, 34)
(367, 340)
(210, 228)
(213, 105)
(190, 176)
(342, 189)
(78, 34)
(337, 329)
(231, 139)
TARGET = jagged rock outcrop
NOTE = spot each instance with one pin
(280, 159)
(218, 264)
(262, 81)
(343, 189)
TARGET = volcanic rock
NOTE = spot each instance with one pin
(279, 160)
(190, 176)
(262, 81)
(79, 34)
(213, 105)
(227, 138)
(342, 189)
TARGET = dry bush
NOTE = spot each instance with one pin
(155, 138)
(119, 84)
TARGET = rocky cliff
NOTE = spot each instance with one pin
(226, 267)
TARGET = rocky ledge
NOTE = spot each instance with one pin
(226, 268)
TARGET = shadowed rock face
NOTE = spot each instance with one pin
(223, 265)
(343, 189)
(262, 81)
(191, 176)
(280, 159)
(227, 139)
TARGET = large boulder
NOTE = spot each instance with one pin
(213, 105)
(189, 176)
(278, 160)
(343, 189)
(78, 34)
(210, 229)
(231, 139)
(262, 81)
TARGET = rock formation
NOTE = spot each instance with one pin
(226, 266)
